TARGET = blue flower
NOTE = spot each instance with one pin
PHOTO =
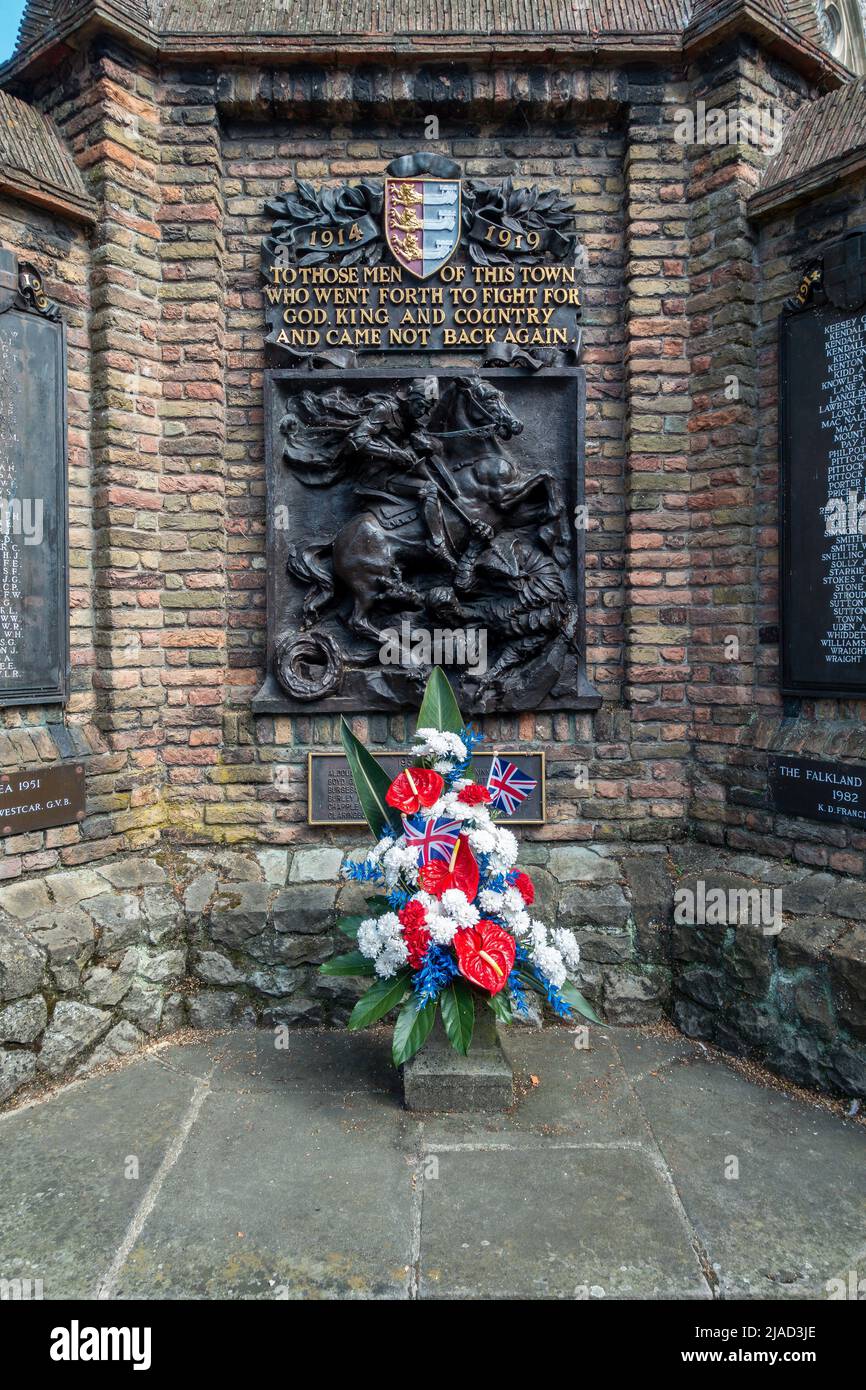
(438, 970)
(361, 871)
(398, 898)
(518, 993)
(556, 1001)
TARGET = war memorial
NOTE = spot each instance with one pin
(433, 650)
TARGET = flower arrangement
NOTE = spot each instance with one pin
(451, 926)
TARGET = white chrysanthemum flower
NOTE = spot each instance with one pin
(483, 841)
(400, 854)
(512, 903)
(519, 924)
(425, 899)
(394, 955)
(441, 929)
(551, 965)
(470, 816)
(506, 843)
(491, 901)
(375, 854)
(435, 743)
(389, 926)
(538, 934)
(458, 906)
(566, 943)
(369, 940)
(399, 859)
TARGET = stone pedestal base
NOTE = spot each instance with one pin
(438, 1078)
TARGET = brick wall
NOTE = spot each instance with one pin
(166, 322)
(261, 160)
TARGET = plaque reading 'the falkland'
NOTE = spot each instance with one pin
(823, 462)
(820, 791)
(34, 613)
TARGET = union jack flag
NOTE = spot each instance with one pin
(434, 839)
(508, 786)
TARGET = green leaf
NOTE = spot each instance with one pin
(349, 925)
(371, 783)
(412, 1029)
(458, 1014)
(379, 1000)
(501, 1007)
(439, 708)
(530, 981)
(353, 963)
(378, 904)
(571, 995)
(574, 997)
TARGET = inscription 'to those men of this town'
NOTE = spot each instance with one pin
(424, 261)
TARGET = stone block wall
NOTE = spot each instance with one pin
(91, 961)
(791, 991)
(94, 962)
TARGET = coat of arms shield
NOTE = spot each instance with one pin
(422, 222)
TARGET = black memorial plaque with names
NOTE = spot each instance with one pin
(332, 800)
(34, 606)
(821, 791)
(41, 798)
(823, 502)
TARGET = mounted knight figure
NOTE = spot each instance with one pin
(434, 485)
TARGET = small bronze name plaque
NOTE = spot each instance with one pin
(41, 798)
(331, 798)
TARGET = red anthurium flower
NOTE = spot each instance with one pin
(415, 934)
(526, 888)
(485, 955)
(460, 872)
(414, 788)
(473, 795)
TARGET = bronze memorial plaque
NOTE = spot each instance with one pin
(40, 798)
(427, 514)
(332, 800)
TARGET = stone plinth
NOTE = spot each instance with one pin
(438, 1078)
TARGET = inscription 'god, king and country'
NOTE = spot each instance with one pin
(426, 261)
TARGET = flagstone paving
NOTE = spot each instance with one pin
(643, 1167)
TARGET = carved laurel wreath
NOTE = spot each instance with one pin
(329, 210)
(517, 210)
